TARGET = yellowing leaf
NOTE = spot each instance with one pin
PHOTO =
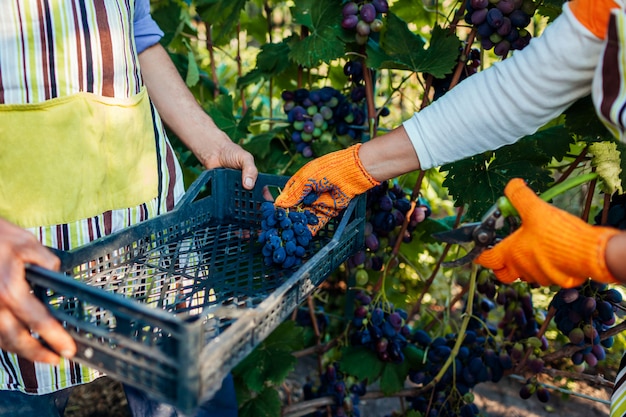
(607, 160)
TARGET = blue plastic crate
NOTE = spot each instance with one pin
(172, 304)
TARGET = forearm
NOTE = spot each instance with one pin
(616, 257)
(389, 155)
(511, 99)
(176, 104)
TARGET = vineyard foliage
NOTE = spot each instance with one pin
(391, 314)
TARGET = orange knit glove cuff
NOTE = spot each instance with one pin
(551, 246)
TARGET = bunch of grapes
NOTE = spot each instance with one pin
(470, 67)
(379, 327)
(501, 24)
(531, 386)
(519, 320)
(583, 314)
(322, 114)
(333, 384)
(387, 206)
(364, 17)
(284, 235)
(311, 114)
(478, 360)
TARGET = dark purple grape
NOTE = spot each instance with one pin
(381, 6)
(543, 394)
(368, 13)
(350, 8)
(479, 4)
(478, 17)
(494, 18)
(349, 21)
(502, 48)
(526, 391)
(506, 27)
(519, 18)
(505, 6)
(371, 242)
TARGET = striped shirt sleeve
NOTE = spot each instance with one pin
(147, 32)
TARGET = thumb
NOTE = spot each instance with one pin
(522, 197)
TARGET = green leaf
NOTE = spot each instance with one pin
(271, 61)
(260, 145)
(402, 49)
(581, 119)
(223, 14)
(323, 20)
(361, 363)
(272, 360)
(607, 160)
(222, 113)
(266, 404)
(393, 377)
(551, 8)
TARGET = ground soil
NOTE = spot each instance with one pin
(105, 398)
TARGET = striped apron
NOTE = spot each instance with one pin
(80, 138)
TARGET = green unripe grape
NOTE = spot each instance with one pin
(311, 110)
(317, 132)
(306, 137)
(361, 277)
(495, 38)
(298, 124)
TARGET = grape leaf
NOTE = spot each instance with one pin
(479, 181)
(223, 14)
(607, 160)
(272, 360)
(551, 8)
(361, 362)
(266, 404)
(393, 377)
(581, 120)
(221, 111)
(271, 61)
(323, 20)
(402, 49)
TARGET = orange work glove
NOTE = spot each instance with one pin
(336, 178)
(550, 247)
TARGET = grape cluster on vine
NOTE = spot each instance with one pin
(364, 17)
(380, 327)
(387, 205)
(333, 384)
(532, 387)
(501, 24)
(284, 235)
(583, 314)
(478, 360)
(325, 113)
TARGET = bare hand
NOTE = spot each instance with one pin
(227, 154)
(20, 311)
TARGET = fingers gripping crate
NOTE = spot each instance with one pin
(172, 304)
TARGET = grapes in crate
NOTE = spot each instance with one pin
(285, 235)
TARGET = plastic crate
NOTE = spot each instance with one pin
(172, 304)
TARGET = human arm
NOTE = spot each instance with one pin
(181, 112)
(20, 311)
